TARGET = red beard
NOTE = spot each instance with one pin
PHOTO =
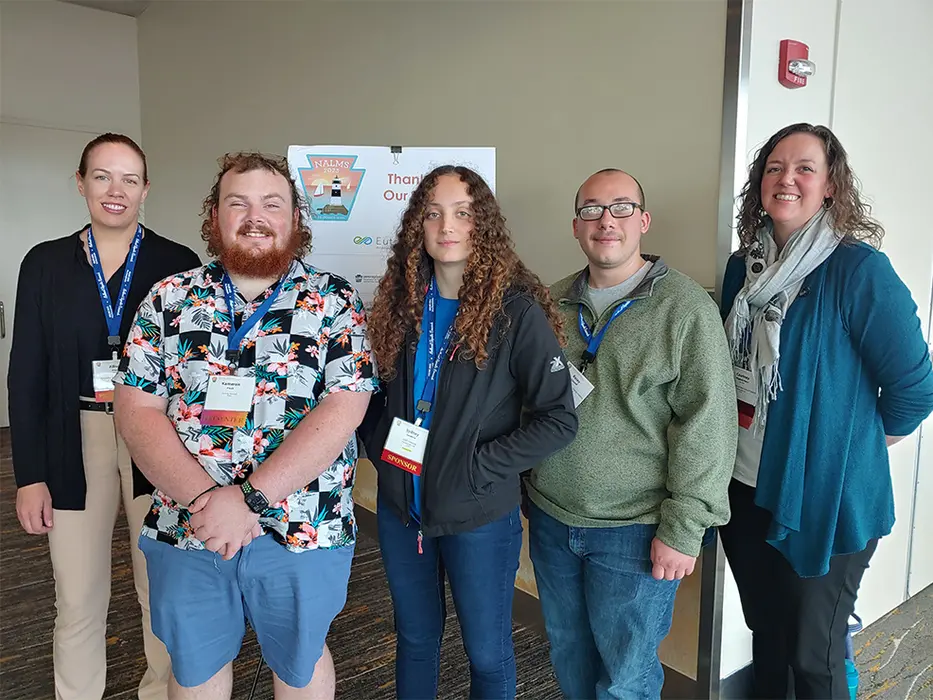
(250, 262)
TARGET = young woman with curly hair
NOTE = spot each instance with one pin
(466, 340)
(831, 368)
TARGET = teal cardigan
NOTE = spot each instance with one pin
(854, 367)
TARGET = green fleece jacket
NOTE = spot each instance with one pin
(657, 437)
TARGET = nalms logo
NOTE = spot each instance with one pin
(331, 186)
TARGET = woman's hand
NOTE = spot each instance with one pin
(34, 508)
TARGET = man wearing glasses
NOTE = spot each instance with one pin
(618, 516)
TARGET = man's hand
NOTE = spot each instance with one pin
(34, 508)
(668, 563)
(222, 520)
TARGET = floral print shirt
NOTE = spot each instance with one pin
(310, 344)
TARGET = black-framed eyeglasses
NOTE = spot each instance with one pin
(618, 210)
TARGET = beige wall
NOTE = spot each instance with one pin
(560, 89)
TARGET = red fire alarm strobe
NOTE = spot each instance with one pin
(794, 66)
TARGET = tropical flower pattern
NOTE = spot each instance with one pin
(311, 343)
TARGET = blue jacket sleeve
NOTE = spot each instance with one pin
(882, 321)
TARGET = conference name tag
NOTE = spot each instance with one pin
(405, 446)
(102, 372)
(229, 400)
(746, 391)
(579, 385)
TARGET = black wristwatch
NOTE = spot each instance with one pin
(256, 501)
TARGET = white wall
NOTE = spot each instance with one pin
(69, 67)
(68, 73)
(879, 104)
(882, 113)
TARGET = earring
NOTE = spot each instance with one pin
(831, 203)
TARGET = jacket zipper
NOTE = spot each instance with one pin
(443, 381)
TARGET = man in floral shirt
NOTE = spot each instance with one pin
(246, 426)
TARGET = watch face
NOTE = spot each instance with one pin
(256, 502)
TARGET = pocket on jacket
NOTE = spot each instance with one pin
(481, 482)
(473, 470)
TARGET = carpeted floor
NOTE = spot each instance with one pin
(894, 655)
(361, 640)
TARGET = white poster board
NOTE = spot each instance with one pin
(357, 194)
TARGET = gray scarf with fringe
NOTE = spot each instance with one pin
(772, 282)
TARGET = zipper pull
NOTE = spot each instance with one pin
(420, 537)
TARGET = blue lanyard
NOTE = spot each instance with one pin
(114, 316)
(237, 334)
(593, 341)
(435, 354)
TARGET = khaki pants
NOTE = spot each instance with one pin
(80, 545)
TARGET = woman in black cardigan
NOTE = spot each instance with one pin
(75, 303)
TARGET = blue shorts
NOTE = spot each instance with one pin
(200, 604)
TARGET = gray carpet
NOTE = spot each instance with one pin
(894, 655)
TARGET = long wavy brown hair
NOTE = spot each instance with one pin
(492, 269)
(851, 217)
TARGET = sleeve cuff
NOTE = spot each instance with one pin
(683, 537)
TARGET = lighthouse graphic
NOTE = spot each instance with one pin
(331, 185)
(336, 199)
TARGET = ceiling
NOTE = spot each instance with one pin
(130, 8)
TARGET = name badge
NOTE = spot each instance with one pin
(579, 385)
(102, 371)
(405, 445)
(746, 391)
(229, 400)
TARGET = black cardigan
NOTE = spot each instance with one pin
(43, 381)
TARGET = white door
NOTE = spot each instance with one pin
(38, 202)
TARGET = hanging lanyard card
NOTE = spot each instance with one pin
(229, 400)
(579, 385)
(746, 391)
(103, 372)
(405, 446)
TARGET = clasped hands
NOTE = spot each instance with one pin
(223, 522)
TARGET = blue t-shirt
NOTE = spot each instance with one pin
(446, 310)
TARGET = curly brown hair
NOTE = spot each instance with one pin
(243, 163)
(851, 217)
(492, 269)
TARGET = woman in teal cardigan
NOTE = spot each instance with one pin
(831, 368)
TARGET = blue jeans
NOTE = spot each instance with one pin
(481, 565)
(604, 613)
